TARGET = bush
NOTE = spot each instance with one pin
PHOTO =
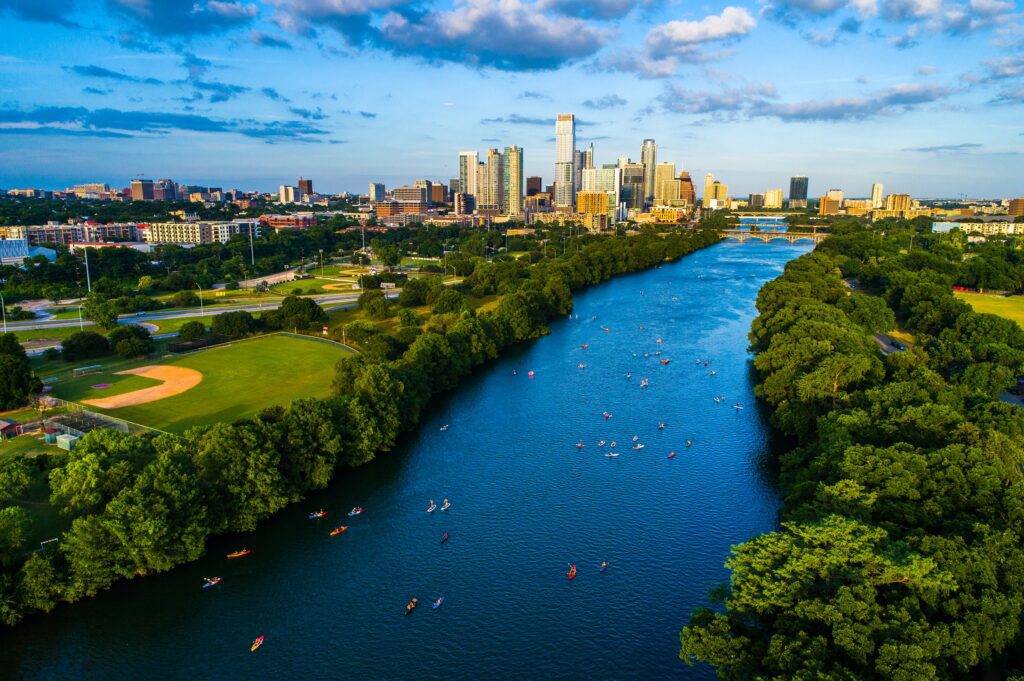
(192, 330)
(184, 299)
(408, 318)
(83, 345)
(126, 332)
(359, 332)
(129, 348)
(234, 324)
(231, 285)
(50, 354)
(295, 313)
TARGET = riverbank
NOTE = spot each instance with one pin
(227, 478)
(899, 554)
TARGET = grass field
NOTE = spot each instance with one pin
(238, 380)
(1011, 308)
(308, 285)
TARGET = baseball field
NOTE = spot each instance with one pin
(224, 383)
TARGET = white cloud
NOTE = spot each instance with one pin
(733, 22)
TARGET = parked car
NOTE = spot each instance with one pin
(898, 345)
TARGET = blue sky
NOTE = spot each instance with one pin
(926, 96)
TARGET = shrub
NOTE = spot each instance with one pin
(192, 330)
(234, 324)
(83, 345)
(130, 348)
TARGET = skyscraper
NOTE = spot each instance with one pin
(633, 185)
(565, 167)
(467, 172)
(649, 158)
(513, 177)
(288, 194)
(666, 186)
(797, 192)
(491, 196)
(709, 192)
(588, 157)
(376, 191)
(877, 201)
(773, 198)
(687, 192)
(305, 186)
(142, 190)
(534, 185)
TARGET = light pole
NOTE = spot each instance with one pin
(3, 306)
(321, 263)
(252, 253)
(202, 315)
(88, 279)
(81, 324)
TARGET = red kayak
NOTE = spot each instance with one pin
(572, 572)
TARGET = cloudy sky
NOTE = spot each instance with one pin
(926, 96)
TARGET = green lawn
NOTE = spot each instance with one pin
(78, 389)
(309, 285)
(1011, 308)
(238, 380)
(57, 334)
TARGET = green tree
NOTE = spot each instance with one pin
(101, 464)
(15, 523)
(84, 345)
(17, 382)
(449, 300)
(192, 330)
(375, 303)
(15, 476)
(236, 324)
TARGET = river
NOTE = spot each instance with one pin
(526, 502)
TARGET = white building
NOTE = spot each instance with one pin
(565, 160)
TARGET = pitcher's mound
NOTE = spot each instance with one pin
(176, 380)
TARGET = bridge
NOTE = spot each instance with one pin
(742, 235)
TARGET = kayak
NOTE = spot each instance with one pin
(671, 455)
(212, 582)
(638, 447)
(612, 454)
(446, 505)
(317, 515)
(572, 572)
(431, 508)
(439, 602)
(444, 538)
(356, 511)
(338, 530)
(256, 644)
(239, 554)
(411, 606)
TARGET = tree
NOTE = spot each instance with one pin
(235, 324)
(15, 476)
(375, 303)
(296, 313)
(186, 298)
(15, 523)
(131, 348)
(17, 382)
(131, 341)
(84, 345)
(449, 300)
(100, 311)
(101, 465)
(192, 330)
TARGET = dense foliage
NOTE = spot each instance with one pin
(142, 504)
(17, 382)
(900, 552)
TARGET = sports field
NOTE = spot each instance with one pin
(1010, 308)
(220, 384)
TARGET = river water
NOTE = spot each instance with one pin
(526, 502)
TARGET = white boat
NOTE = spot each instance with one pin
(610, 454)
(638, 447)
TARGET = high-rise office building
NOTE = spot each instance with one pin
(1016, 207)
(165, 190)
(142, 190)
(755, 201)
(773, 199)
(377, 191)
(534, 185)
(687, 192)
(708, 195)
(834, 195)
(649, 158)
(467, 172)
(606, 180)
(633, 185)
(513, 178)
(798, 192)
(666, 185)
(876, 196)
(898, 202)
(288, 194)
(565, 161)
(427, 185)
(305, 186)
(588, 157)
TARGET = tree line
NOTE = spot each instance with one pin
(141, 504)
(900, 552)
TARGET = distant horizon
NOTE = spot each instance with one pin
(924, 97)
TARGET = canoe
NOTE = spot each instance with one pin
(338, 530)
(239, 554)
(612, 454)
(317, 515)
(439, 602)
(572, 572)
(212, 582)
(256, 644)
(356, 511)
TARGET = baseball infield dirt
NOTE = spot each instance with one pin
(176, 380)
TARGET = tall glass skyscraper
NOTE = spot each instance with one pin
(649, 159)
(798, 189)
(467, 172)
(513, 177)
(565, 161)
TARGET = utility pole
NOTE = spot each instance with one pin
(3, 305)
(88, 279)
(252, 253)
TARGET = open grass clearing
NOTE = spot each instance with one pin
(1008, 307)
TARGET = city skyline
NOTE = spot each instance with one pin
(255, 94)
